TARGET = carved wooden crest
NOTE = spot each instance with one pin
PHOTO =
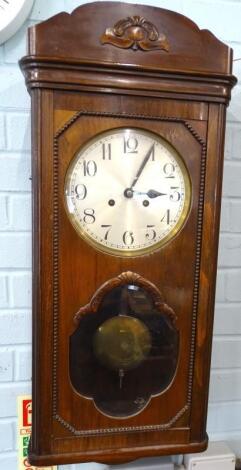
(135, 32)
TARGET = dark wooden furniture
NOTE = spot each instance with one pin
(105, 66)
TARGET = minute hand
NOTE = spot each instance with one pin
(138, 174)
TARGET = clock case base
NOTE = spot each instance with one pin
(120, 456)
(80, 87)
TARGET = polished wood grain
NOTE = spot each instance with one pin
(84, 28)
(81, 85)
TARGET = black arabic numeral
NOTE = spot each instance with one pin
(107, 231)
(176, 195)
(152, 154)
(151, 233)
(166, 217)
(90, 168)
(89, 217)
(106, 151)
(128, 238)
(169, 170)
(130, 145)
(80, 191)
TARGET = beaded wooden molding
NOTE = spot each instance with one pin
(180, 413)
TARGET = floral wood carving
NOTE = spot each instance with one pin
(135, 32)
(127, 277)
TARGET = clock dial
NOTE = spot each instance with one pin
(127, 191)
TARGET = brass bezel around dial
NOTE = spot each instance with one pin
(81, 227)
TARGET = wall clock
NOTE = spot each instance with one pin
(12, 17)
(128, 128)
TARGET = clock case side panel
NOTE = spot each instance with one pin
(42, 246)
(208, 268)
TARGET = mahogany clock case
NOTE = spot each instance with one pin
(108, 66)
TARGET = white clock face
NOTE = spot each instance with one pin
(127, 192)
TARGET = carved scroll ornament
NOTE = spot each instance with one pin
(135, 32)
(125, 278)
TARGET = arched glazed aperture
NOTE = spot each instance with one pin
(125, 348)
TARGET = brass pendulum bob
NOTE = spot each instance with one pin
(122, 343)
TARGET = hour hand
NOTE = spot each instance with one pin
(152, 193)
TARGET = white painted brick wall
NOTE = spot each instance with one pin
(6, 435)
(15, 327)
(3, 291)
(19, 212)
(223, 18)
(23, 363)
(6, 365)
(2, 132)
(18, 131)
(20, 290)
